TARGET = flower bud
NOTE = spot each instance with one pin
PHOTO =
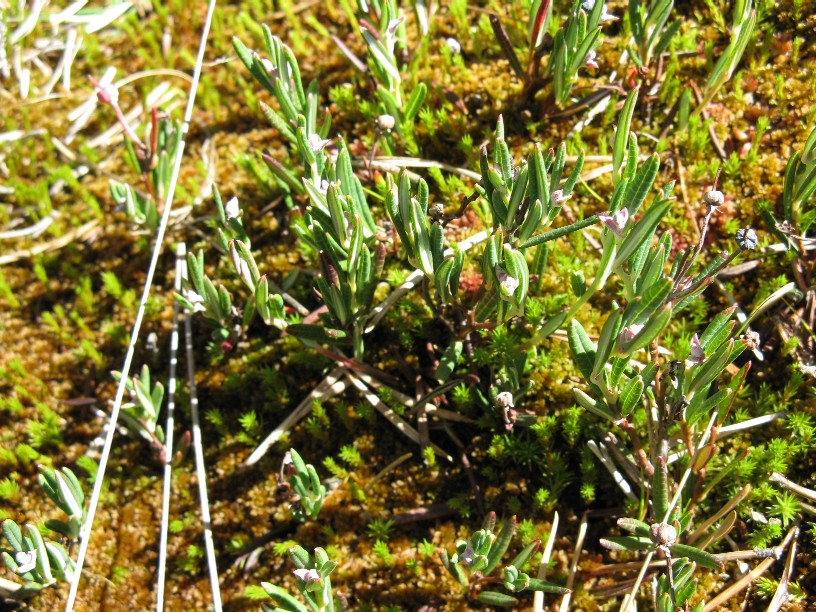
(697, 355)
(663, 535)
(714, 198)
(386, 122)
(751, 340)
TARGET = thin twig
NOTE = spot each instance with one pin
(780, 597)
(750, 577)
(732, 503)
(789, 484)
(750, 423)
(85, 535)
(168, 433)
(70, 237)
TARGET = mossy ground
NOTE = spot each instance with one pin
(63, 328)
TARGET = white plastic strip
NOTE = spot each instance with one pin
(181, 251)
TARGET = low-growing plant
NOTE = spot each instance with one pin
(476, 559)
(38, 560)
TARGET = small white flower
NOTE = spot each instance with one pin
(231, 209)
(590, 60)
(27, 561)
(588, 5)
(323, 187)
(607, 16)
(616, 222)
(697, 354)
(316, 144)
(453, 46)
(195, 299)
(307, 575)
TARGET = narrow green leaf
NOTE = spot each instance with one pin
(494, 598)
(700, 557)
(622, 134)
(500, 545)
(639, 528)
(583, 350)
(660, 491)
(630, 396)
(626, 543)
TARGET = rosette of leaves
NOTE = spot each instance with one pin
(300, 119)
(422, 239)
(798, 212)
(39, 561)
(141, 414)
(64, 489)
(476, 559)
(339, 227)
(571, 49)
(279, 74)
(616, 388)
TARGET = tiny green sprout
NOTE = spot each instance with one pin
(380, 529)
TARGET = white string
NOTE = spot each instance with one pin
(168, 433)
(201, 471)
(85, 533)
